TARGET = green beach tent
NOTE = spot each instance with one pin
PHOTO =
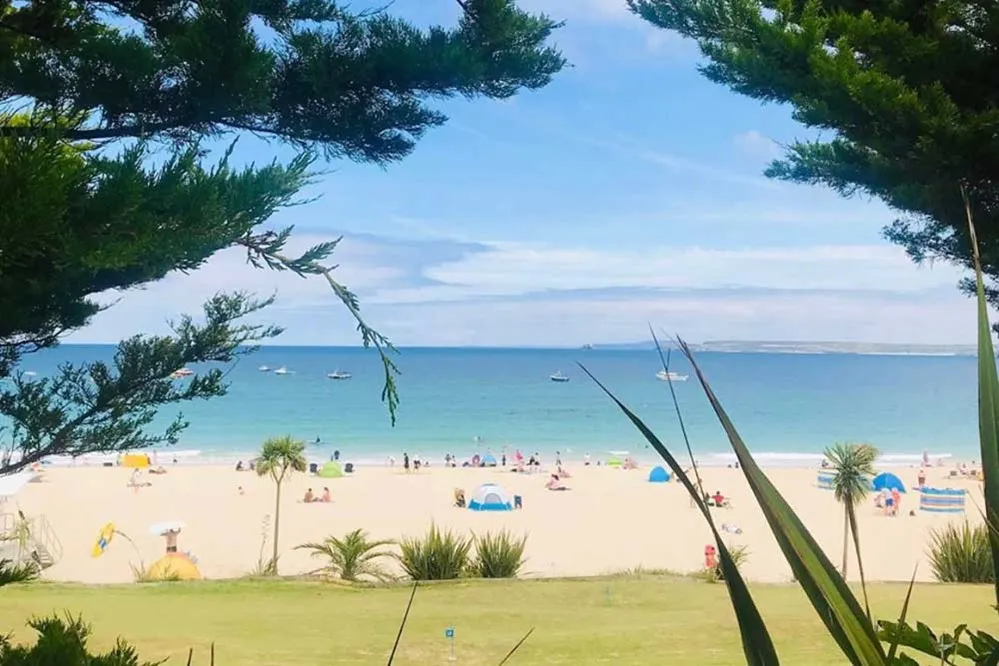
(330, 470)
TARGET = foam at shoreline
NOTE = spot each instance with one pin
(769, 459)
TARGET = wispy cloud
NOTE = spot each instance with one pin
(445, 292)
(511, 269)
(755, 144)
(626, 146)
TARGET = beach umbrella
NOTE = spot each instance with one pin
(160, 529)
(887, 480)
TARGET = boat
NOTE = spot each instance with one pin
(336, 374)
(181, 374)
(671, 376)
(558, 377)
(282, 371)
(587, 346)
(264, 368)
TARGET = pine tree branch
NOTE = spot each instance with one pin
(265, 249)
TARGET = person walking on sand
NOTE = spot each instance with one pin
(405, 461)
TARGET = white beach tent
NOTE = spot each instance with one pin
(11, 484)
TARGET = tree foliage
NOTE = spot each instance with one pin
(107, 110)
(905, 93)
(352, 557)
(852, 471)
(279, 457)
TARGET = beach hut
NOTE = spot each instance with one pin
(490, 497)
(658, 475)
(942, 500)
(330, 470)
(489, 460)
(887, 481)
(825, 480)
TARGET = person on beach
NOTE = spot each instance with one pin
(171, 540)
(327, 497)
(896, 501)
(554, 483)
(405, 461)
(889, 503)
(503, 459)
(416, 463)
(921, 479)
(309, 497)
(586, 460)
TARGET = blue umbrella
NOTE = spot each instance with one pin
(887, 480)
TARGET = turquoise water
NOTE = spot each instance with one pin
(783, 404)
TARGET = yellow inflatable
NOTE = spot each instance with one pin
(174, 566)
(103, 540)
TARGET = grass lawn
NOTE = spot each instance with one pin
(622, 620)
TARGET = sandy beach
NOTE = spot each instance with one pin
(611, 520)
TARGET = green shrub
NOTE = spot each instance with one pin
(64, 642)
(351, 558)
(440, 555)
(12, 572)
(499, 555)
(740, 554)
(961, 554)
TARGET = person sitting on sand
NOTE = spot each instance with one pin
(158, 470)
(327, 497)
(309, 497)
(563, 473)
(889, 504)
(135, 481)
(921, 479)
(554, 483)
(459, 498)
(719, 499)
(896, 501)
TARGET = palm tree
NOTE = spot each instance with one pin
(279, 457)
(853, 467)
(351, 557)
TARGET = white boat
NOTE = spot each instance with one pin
(336, 374)
(671, 376)
(264, 368)
(558, 377)
(282, 371)
(181, 374)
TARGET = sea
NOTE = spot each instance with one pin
(787, 407)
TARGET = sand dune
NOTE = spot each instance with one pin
(611, 519)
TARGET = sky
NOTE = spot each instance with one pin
(629, 192)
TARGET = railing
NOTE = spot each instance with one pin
(40, 533)
(43, 534)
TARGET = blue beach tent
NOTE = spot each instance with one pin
(658, 475)
(490, 497)
(887, 480)
(489, 460)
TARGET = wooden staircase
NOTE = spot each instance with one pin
(24, 539)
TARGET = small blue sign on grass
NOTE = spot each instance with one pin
(449, 632)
